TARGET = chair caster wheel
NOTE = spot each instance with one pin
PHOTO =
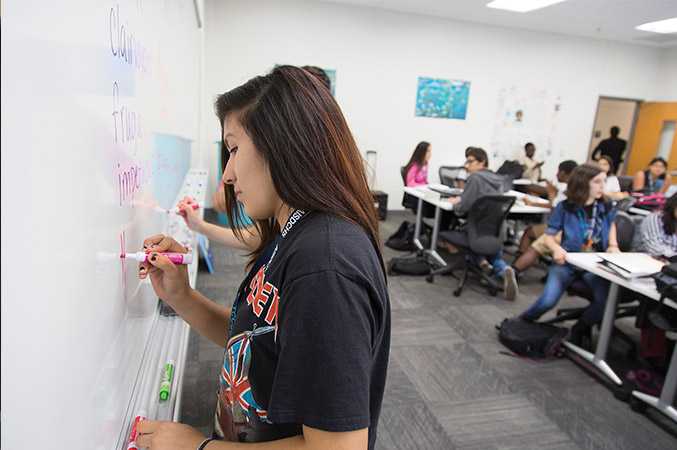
(561, 352)
(622, 392)
(637, 405)
(429, 278)
(457, 292)
(493, 292)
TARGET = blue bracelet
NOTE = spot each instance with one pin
(204, 443)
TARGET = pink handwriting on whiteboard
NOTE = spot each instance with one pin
(124, 264)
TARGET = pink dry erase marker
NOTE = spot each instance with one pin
(179, 209)
(176, 258)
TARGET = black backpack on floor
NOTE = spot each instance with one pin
(411, 265)
(531, 339)
(403, 238)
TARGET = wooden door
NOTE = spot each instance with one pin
(650, 123)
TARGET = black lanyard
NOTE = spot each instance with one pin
(295, 217)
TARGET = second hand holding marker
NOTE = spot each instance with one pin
(176, 258)
(178, 209)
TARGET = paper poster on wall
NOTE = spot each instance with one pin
(447, 99)
(526, 115)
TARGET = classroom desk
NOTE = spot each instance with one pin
(639, 211)
(646, 287)
(432, 197)
(423, 193)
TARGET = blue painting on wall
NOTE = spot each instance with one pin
(447, 99)
(332, 78)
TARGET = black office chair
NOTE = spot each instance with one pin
(625, 181)
(625, 234)
(626, 203)
(484, 234)
(449, 175)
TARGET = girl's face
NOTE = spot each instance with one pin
(596, 185)
(604, 164)
(248, 173)
(657, 169)
(427, 154)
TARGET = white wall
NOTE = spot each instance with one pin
(379, 56)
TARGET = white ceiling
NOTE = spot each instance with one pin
(610, 20)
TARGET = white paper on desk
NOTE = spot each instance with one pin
(633, 264)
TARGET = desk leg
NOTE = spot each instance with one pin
(664, 403)
(433, 240)
(598, 359)
(417, 228)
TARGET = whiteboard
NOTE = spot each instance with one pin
(99, 118)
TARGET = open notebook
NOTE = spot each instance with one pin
(631, 265)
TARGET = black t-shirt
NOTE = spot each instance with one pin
(310, 338)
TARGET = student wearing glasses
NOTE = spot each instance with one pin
(482, 181)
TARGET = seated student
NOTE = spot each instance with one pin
(532, 168)
(586, 220)
(480, 182)
(613, 186)
(532, 245)
(655, 180)
(656, 235)
(416, 174)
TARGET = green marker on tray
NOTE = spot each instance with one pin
(166, 385)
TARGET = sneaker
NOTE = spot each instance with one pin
(580, 335)
(510, 288)
(486, 266)
(525, 318)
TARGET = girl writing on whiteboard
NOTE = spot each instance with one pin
(307, 338)
(586, 220)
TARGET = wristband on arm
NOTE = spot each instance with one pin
(204, 443)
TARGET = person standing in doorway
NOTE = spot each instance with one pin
(612, 147)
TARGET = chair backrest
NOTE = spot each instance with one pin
(404, 175)
(626, 182)
(449, 175)
(625, 231)
(486, 223)
(511, 169)
(626, 203)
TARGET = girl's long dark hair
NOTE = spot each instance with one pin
(418, 157)
(300, 132)
(578, 186)
(669, 215)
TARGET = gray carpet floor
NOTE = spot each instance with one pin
(449, 385)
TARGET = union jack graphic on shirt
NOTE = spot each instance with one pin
(236, 401)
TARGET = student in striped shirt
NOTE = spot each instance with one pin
(656, 234)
